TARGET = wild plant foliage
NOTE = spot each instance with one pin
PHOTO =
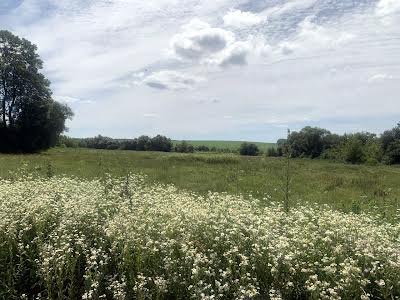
(66, 238)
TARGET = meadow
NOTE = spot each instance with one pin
(105, 224)
(230, 145)
(70, 238)
(345, 187)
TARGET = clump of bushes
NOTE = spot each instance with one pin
(249, 149)
(357, 148)
(184, 147)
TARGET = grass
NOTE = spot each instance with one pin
(349, 188)
(231, 145)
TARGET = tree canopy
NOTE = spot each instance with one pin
(30, 120)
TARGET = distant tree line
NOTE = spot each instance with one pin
(356, 148)
(142, 143)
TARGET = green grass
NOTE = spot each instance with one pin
(231, 145)
(344, 187)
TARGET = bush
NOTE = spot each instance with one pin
(202, 148)
(184, 147)
(353, 151)
(249, 149)
(273, 152)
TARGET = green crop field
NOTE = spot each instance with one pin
(231, 145)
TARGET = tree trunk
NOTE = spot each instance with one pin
(4, 103)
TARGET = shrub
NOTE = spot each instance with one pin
(249, 149)
(202, 148)
(184, 147)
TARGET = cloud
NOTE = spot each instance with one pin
(71, 100)
(200, 42)
(388, 7)
(311, 36)
(150, 115)
(92, 49)
(171, 80)
(199, 39)
(389, 12)
(241, 19)
(235, 54)
(381, 77)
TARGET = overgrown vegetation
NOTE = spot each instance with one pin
(347, 188)
(111, 238)
(357, 148)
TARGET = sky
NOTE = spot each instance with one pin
(217, 69)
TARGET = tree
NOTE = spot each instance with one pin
(309, 142)
(30, 120)
(353, 150)
(249, 149)
(390, 142)
(161, 143)
(143, 143)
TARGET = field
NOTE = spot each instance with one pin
(231, 145)
(90, 224)
(355, 188)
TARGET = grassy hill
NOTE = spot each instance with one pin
(231, 145)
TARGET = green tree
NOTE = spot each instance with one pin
(353, 150)
(390, 141)
(161, 143)
(310, 142)
(30, 120)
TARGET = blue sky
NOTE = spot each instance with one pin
(217, 69)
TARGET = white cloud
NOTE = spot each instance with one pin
(311, 37)
(241, 19)
(388, 7)
(171, 80)
(235, 54)
(199, 39)
(200, 42)
(92, 48)
(381, 77)
(71, 100)
(150, 115)
(67, 99)
(389, 12)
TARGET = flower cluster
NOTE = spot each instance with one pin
(66, 238)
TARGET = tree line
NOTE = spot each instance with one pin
(309, 142)
(142, 143)
(355, 148)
